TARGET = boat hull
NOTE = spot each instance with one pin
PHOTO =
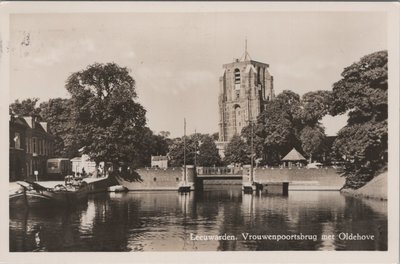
(47, 198)
(30, 199)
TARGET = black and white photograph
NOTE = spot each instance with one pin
(200, 127)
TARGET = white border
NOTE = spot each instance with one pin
(391, 256)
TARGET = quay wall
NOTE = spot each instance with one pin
(169, 179)
(154, 179)
(321, 176)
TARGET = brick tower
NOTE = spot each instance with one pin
(245, 87)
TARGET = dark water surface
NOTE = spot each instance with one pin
(168, 221)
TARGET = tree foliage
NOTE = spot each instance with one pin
(208, 153)
(58, 113)
(200, 149)
(289, 122)
(276, 130)
(237, 151)
(314, 106)
(109, 122)
(362, 92)
(26, 107)
(151, 145)
(312, 139)
(363, 89)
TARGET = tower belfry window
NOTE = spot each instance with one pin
(237, 79)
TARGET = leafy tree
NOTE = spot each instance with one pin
(248, 134)
(363, 89)
(278, 127)
(237, 151)
(109, 122)
(362, 92)
(200, 150)
(165, 134)
(314, 106)
(58, 113)
(176, 151)
(312, 139)
(151, 145)
(26, 107)
(215, 136)
(208, 153)
(288, 122)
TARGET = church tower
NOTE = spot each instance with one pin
(245, 87)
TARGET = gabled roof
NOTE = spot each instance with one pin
(293, 155)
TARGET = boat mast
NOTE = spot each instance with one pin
(195, 151)
(252, 151)
(184, 150)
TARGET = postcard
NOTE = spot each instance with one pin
(221, 132)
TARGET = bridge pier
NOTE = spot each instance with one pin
(199, 185)
(249, 185)
(187, 183)
(281, 188)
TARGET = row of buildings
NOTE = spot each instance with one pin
(31, 144)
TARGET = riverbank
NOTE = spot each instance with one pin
(376, 188)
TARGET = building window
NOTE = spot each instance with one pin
(39, 146)
(237, 79)
(27, 149)
(17, 140)
(34, 143)
(155, 179)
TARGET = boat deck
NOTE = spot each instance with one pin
(14, 186)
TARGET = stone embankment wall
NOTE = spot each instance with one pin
(155, 179)
(169, 179)
(322, 176)
(376, 188)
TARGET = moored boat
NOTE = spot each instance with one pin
(35, 195)
(29, 197)
(117, 188)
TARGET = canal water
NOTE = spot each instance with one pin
(218, 219)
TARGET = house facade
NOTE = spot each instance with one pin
(31, 144)
(159, 162)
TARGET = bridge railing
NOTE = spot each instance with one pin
(219, 171)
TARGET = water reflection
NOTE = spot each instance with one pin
(168, 221)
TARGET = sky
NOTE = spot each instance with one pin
(176, 58)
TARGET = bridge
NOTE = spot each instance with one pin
(237, 173)
(219, 173)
